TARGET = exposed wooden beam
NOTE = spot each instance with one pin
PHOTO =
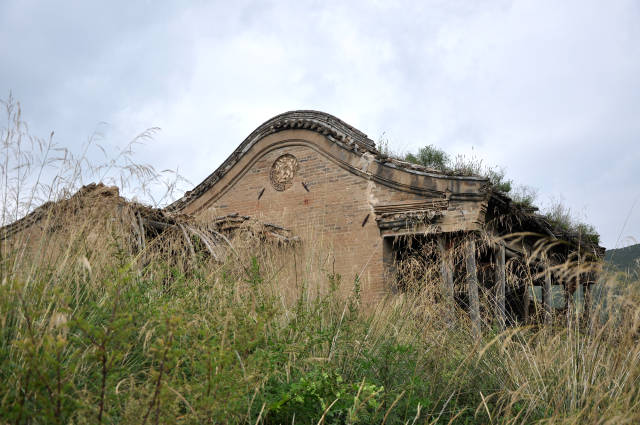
(547, 295)
(526, 300)
(446, 271)
(472, 284)
(500, 286)
(568, 302)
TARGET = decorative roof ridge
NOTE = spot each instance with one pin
(297, 118)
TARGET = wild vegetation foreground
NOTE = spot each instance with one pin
(91, 333)
(93, 330)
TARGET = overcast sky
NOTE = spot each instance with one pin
(550, 90)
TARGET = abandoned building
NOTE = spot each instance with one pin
(314, 174)
(307, 176)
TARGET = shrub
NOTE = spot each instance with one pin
(524, 195)
(429, 156)
(498, 180)
(561, 217)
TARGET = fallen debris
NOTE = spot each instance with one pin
(92, 208)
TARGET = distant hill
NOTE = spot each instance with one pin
(624, 258)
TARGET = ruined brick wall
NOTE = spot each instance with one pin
(330, 197)
(333, 208)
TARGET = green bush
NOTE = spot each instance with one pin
(321, 393)
(498, 180)
(429, 156)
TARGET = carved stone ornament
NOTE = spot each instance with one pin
(282, 172)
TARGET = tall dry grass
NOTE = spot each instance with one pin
(95, 330)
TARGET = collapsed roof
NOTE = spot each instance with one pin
(95, 205)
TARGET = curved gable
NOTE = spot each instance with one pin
(346, 146)
(319, 122)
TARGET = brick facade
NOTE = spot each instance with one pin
(332, 197)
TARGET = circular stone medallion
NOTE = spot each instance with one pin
(282, 172)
